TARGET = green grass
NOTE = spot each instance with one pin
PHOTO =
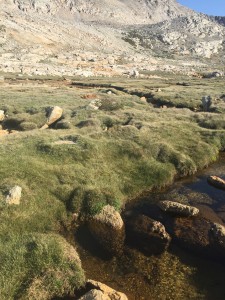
(124, 148)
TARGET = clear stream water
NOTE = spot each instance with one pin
(177, 274)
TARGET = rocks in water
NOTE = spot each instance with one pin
(14, 195)
(100, 291)
(218, 232)
(192, 234)
(147, 234)
(201, 235)
(108, 229)
(217, 182)
(2, 115)
(54, 114)
(178, 208)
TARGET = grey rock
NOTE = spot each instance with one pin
(178, 208)
(206, 103)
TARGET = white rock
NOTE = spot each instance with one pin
(14, 195)
(2, 115)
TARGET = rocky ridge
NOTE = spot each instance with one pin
(106, 38)
(191, 35)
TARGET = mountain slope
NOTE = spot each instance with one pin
(102, 37)
(128, 12)
(193, 35)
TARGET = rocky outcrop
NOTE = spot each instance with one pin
(100, 291)
(107, 227)
(14, 195)
(178, 208)
(217, 182)
(192, 35)
(103, 11)
(147, 234)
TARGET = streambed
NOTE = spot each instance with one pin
(176, 274)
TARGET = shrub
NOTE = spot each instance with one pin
(25, 126)
(108, 122)
(63, 124)
(110, 104)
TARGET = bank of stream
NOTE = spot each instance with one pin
(177, 273)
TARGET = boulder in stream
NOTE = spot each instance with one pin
(217, 182)
(147, 234)
(178, 208)
(107, 227)
(100, 291)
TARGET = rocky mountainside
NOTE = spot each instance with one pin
(104, 37)
(128, 12)
(192, 35)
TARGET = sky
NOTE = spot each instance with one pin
(210, 7)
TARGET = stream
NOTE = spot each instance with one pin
(176, 274)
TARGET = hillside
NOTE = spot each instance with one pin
(106, 38)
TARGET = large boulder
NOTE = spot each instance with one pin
(54, 114)
(100, 291)
(2, 115)
(201, 235)
(107, 227)
(14, 195)
(147, 234)
(178, 208)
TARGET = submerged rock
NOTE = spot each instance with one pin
(201, 235)
(178, 208)
(147, 234)
(217, 182)
(108, 228)
(14, 195)
(218, 232)
(100, 291)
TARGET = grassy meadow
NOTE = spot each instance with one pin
(91, 158)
